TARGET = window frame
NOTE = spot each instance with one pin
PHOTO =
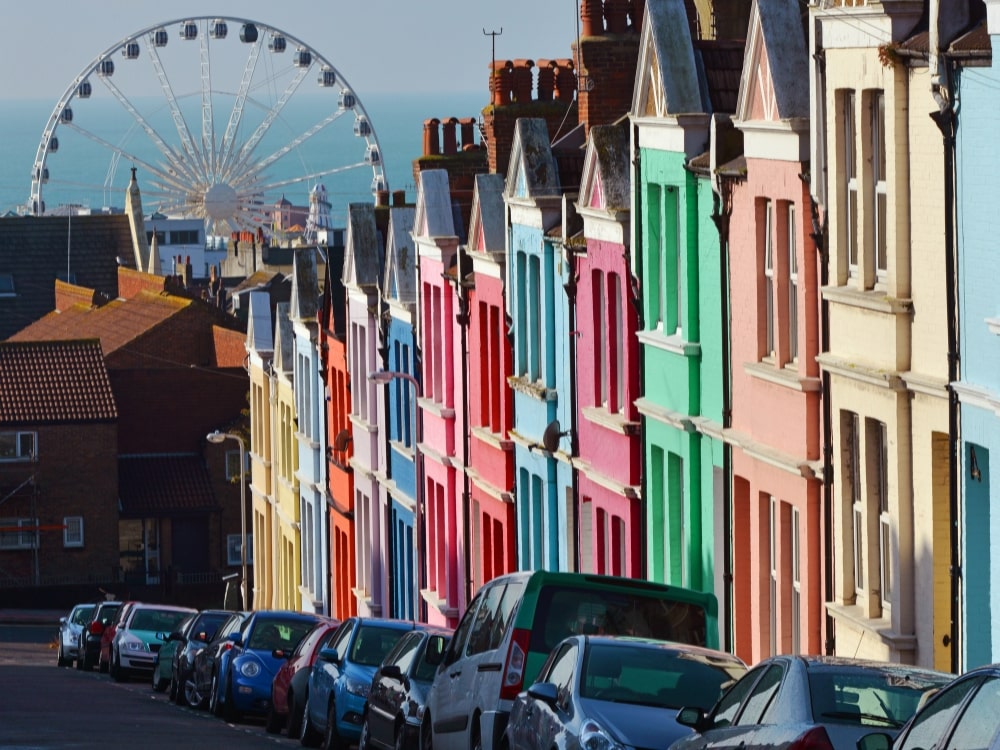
(20, 454)
(73, 538)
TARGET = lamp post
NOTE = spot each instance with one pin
(217, 438)
(384, 377)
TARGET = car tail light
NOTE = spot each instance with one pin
(815, 739)
(96, 628)
(227, 645)
(517, 657)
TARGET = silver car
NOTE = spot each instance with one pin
(68, 639)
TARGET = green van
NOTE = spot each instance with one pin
(513, 623)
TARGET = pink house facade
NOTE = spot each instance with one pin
(607, 356)
(492, 545)
(441, 446)
(775, 434)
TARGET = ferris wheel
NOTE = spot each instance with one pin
(222, 118)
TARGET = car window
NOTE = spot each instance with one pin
(207, 626)
(373, 643)
(508, 606)
(156, 620)
(929, 726)
(562, 671)
(269, 635)
(486, 617)
(869, 696)
(973, 729)
(82, 615)
(761, 695)
(234, 623)
(458, 639)
(339, 642)
(431, 657)
(729, 705)
(404, 651)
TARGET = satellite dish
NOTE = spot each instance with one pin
(551, 436)
(342, 440)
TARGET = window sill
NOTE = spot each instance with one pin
(786, 377)
(993, 326)
(441, 605)
(406, 451)
(674, 343)
(492, 438)
(615, 422)
(880, 627)
(875, 300)
(433, 407)
(532, 388)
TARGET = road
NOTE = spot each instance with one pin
(44, 706)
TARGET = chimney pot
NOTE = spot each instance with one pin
(432, 137)
(450, 143)
(399, 197)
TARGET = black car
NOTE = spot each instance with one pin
(89, 650)
(192, 638)
(198, 691)
(398, 691)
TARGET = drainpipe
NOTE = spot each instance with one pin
(942, 88)
(574, 440)
(462, 318)
(636, 248)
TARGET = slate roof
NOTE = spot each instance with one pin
(533, 171)
(305, 285)
(489, 214)
(363, 263)
(162, 485)
(722, 64)
(401, 261)
(54, 382)
(34, 250)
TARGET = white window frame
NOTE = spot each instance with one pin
(770, 341)
(793, 287)
(73, 531)
(851, 239)
(852, 444)
(24, 539)
(772, 578)
(879, 205)
(25, 446)
(881, 488)
(233, 549)
(796, 553)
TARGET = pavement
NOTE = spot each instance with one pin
(31, 616)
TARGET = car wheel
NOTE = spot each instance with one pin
(189, 694)
(118, 672)
(332, 739)
(213, 697)
(426, 735)
(399, 741)
(61, 660)
(174, 692)
(80, 661)
(229, 712)
(102, 666)
(159, 685)
(274, 721)
(308, 737)
(364, 741)
(293, 724)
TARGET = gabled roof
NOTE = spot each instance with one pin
(305, 285)
(533, 172)
(606, 175)
(400, 257)
(260, 337)
(333, 307)
(667, 79)
(160, 485)
(47, 382)
(284, 340)
(363, 251)
(35, 250)
(487, 226)
(774, 86)
(434, 216)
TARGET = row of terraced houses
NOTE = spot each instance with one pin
(709, 312)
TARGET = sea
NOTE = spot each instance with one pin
(105, 139)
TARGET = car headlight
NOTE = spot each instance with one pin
(357, 687)
(133, 644)
(594, 737)
(250, 668)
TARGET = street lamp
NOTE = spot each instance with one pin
(384, 377)
(217, 438)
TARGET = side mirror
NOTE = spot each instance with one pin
(329, 655)
(62, 620)
(546, 692)
(875, 741)
(391, 671)
(236, 639)
(691, 716)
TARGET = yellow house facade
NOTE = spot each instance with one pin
(887, 356)
(287, 560)
(260, 352)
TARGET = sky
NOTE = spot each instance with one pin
(378, 45)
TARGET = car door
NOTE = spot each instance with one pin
(721, 728)
(547, 724)
(448, 707)
(325, 673)
(930, 726)
(388, 691)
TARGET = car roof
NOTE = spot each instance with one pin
(681, 648)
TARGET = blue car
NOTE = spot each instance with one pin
(341, 677)
(247, 669)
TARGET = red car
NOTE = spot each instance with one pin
(288, 690)
(104, 658)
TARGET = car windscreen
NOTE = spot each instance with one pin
(271, 634)
(82, 615)
(157, 620)
(207, 625)
(373, 643)
(563, 611)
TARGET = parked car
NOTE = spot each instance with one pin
(816, 701)
(161, 677)
(341, 677)
(514, 622)
(104, 657)
(68, 637)
(963, 714)
(137, 638)
(206, 662)
(398, 694)
(245, 673)
(200, 631)
(607, 691)
(89, 649)
(288, 689)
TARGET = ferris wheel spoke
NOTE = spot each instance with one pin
(307, 178)
(246, 151)
(183, 132)
(168, 153)
(207, 108)
(151, 168)
(236, 116)
(260, 166)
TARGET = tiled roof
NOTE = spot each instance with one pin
(35, 250)
(723, 64)
(115, 324)
(159, 485)
(52, 382)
